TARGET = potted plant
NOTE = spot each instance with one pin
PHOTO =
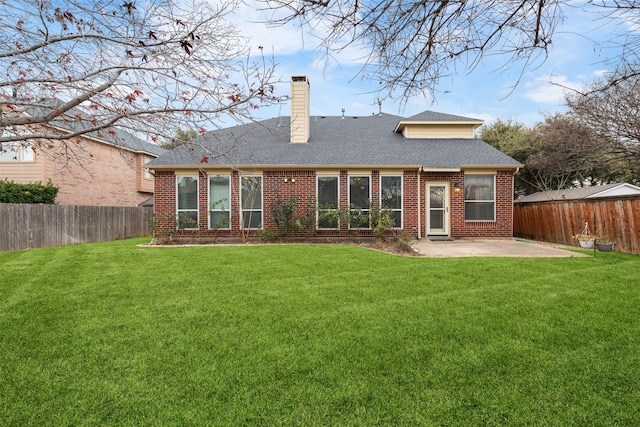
(603, 243)
(586, 238)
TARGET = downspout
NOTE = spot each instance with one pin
(419, 203)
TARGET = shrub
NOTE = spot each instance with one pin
(11, 192)
(285, 216)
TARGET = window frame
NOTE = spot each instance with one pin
(187, 210)
(471, 201)
(366, 209)
(146, 171)
(213, 209)
(399, 210)
(319, 209)
(242, 208)
(19, 149)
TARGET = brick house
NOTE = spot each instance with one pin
(104, 169)
(428, 171)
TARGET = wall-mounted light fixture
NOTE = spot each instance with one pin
(456, 187)
(289, 180)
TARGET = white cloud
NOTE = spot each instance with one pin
(549, 89)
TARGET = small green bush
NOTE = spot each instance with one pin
(11, 192)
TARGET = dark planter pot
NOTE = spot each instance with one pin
(604, 247)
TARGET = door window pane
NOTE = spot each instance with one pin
(436, 219)
(436, 195)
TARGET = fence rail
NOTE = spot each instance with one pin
(25, 226)
(558, 220)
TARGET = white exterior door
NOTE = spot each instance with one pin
(438, 208)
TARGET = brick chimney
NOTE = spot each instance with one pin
(300, 110)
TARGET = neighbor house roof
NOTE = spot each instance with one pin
(335, 141)
(111, 135)
(591, 192)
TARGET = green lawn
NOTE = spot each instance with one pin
(116, 334)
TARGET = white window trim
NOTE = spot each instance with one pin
(209, 225)
(494, 200)
(146, 172)
(261, 210)
(337, 227)
(349, 200)
(401, 210)
(19, 148)
(188, 210)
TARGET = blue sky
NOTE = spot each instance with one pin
(574, 60)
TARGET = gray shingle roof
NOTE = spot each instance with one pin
(574, 193)
(334, 141)
(434, 116)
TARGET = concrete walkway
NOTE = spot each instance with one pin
(491, 248)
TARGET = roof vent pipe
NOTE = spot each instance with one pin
(343, 113)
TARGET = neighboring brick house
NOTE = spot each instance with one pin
(99, 169)
(427, 170)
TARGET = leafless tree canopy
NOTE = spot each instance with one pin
(411, 45)
(612, 111)
(564, 153)
(146, 66)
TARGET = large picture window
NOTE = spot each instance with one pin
(479, 198)
(187, 202)
(251, 201)
(219, 197)
(391, 197)
(327, 201)
(360, 201)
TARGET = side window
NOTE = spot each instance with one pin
(391, 197)
(16, 152)
(327, 196)
(479, 198)
(147, 172)
(360, 201)
(251, 201)
(219, 197)
(187, 202)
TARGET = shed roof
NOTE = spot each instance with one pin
(577, 193)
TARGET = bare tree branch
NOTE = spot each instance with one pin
(83, 67)
(414, 43)
(411, 45)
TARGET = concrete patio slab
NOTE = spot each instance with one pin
(492, 248)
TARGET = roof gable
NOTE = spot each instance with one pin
(431, 124)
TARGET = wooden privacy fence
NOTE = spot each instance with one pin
(38, 226)
(558, 220)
